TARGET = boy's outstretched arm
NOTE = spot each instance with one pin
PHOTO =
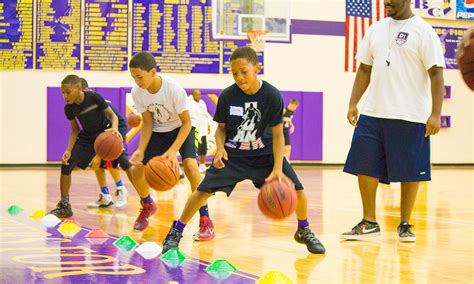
(183, 133)
(72, 140)
(221, 153)
(278, 151)
(145, 135)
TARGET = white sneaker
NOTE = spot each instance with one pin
(105, 200)
(122, 197)
(202, 168)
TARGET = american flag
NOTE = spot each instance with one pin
(360, 14)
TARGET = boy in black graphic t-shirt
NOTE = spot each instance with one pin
(95, 116)
(250, 145)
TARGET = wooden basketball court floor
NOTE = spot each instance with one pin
(443, 221)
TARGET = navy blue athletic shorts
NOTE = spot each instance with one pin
(160, 142)
(237, 169)
(202, 146)
(286, 136)
(391, 150)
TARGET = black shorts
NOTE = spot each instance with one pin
(286, 135)
(122, 161)
(83, 152)
(160, 142)
(202, 146)
(237, 169)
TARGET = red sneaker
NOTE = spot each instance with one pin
(206, 230)
(147, 210)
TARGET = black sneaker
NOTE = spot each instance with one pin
(404, 232)
(172, 239)
(305, 236)
(63, 210)
(363, 230)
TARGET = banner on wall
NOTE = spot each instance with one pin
(106, 35)
(450, 38)
(58, 34)
(16, 35)
(177, 33)
(465, 9)
(435, 9)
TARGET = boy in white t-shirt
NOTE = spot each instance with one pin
(166, 130)
(200, 119)
(402, 59)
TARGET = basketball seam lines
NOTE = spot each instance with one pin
(279, 203)
(156, 173)
(263, 202)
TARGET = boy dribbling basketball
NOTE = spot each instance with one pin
(166, 129)
(105, 198)
(95, 117)
(250, 145)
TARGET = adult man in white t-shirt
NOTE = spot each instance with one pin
(200, 119)
(402, 59)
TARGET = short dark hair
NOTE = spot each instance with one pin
(143, 60)
(245, 52)
(84, 83)
(294, 101)
(71, 80)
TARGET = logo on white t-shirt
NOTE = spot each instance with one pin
(160, 112)
(402, 38)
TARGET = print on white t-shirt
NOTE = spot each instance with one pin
(164, 105)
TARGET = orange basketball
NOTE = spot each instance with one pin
(108, 146)
(276, 200)
(466, 64)
(133, 120)
(160, 174)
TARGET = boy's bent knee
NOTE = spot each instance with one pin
(200, 195)
(66, 169)
(300, 193)
(138, 170)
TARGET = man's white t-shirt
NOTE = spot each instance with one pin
(199, 115)
(401, 90)
(164, 105)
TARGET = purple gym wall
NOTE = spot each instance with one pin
(306, 141)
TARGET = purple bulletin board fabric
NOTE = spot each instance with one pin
(306, 141)
(58, 127)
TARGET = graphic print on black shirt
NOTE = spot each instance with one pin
(90, 113)
(247, 130)
(249, 119)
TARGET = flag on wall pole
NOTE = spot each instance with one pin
(360, 14)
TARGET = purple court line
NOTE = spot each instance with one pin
(107, 264)
(310, 27)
